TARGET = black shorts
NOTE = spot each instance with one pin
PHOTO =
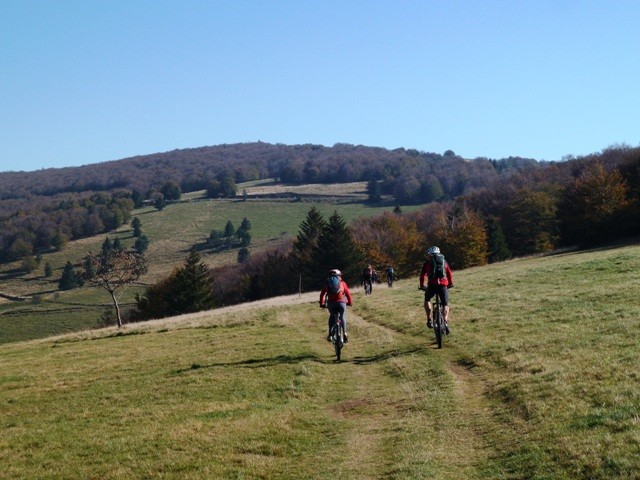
(440, 290)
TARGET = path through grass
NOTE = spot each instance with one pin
(535, 382)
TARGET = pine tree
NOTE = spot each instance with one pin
(245, 226)
(136, 224)
(193, 286)
(107, 246)
(117, 245)
(69, 279)
(229, 229)
(141, 245)
(336, 249)
(304, 247)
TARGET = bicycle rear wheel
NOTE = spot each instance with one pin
(438, 326)
(337, 341)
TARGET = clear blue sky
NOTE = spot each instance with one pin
(93, 80)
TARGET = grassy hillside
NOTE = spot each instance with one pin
(538, 380)
(172, 232)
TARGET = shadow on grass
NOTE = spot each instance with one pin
(383, 356)
(293, 359)
(259, 362)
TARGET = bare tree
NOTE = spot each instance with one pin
(114, 272)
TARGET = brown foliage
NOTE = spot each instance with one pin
(390, 239)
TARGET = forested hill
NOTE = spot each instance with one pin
(45, 209)
(193, 168)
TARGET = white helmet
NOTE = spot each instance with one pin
(433, 250)
(335, 271)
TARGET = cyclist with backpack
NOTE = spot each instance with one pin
(369, 276)
(437, 273)
(390, 275)
(337, 295)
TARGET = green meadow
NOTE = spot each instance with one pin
(538, 380)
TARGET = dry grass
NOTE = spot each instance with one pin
(354, 189)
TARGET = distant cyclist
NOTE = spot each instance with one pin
(390, 275)
(439, 278)
(369, 275)
(338, 298)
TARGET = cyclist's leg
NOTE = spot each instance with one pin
(444, 299)
(330, 309)
(342, 307)
(428, 295)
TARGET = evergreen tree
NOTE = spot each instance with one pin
(117, 245)
(336, 249)
(160, 202)
(107, 247)
(138, 200)
(69, 279)
(89, 270)
(48, 270)
(245, 238)
(304, 247)
(245, 226)
(193, 286)
(136, 224)
(141, 245)
(229, 229)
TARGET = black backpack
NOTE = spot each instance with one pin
(438, 266)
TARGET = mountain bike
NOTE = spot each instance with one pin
(440, 328)
(337, 332)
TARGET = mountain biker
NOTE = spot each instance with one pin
(339, 301)
(436, 286)
(369, 275)
(390, 275)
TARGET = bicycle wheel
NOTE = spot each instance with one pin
(438, 325)
(337, 339)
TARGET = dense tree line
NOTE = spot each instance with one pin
(44, 209)
(37, 227)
